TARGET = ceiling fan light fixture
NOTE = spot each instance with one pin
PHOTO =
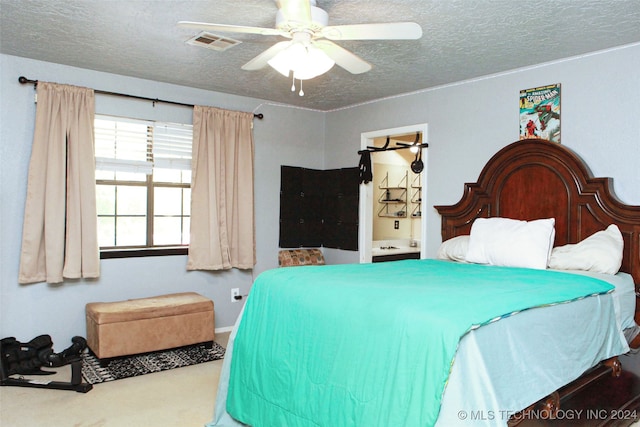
(305, 61)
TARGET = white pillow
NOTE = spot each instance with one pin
(454, 249)
(511, 243)
(601, 252)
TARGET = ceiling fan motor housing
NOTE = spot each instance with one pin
(319, 19)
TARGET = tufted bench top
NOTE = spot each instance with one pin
(148, 308)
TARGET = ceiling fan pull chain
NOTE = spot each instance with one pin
(301, 93)
(293, 83)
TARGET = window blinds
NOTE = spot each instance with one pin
(172, 145)
(130, 145)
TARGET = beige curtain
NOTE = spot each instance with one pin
(222, 217)
(59, 237)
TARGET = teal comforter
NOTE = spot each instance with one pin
(371, 344)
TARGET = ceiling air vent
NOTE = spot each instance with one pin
(212, 41)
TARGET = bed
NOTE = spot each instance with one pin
(314, 345)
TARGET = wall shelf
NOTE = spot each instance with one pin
(393, 198)
(416, 197)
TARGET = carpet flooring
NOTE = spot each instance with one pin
(141, 364)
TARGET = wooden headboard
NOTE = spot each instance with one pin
(534, 179)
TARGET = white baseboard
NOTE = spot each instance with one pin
(223, 330)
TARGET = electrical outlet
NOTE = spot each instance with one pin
(235, 295)
(396, 224)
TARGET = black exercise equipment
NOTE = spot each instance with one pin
(18, 358)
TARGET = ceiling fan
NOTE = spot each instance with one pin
(306, 25)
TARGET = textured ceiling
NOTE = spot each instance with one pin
(462, 39)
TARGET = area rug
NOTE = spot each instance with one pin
(141, 364)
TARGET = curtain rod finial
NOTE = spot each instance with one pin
(23, 80)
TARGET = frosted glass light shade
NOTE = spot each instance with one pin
(306, 62)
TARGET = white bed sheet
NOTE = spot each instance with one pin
(624, 297)
(487, 385)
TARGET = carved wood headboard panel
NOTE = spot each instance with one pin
(535, 179)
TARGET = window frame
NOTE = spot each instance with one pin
(110, 252)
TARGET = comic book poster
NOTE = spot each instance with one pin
(540, 113)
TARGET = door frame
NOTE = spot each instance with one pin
(365, 230)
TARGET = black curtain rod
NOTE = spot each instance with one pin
(25, 80)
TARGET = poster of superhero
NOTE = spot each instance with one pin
(540, 113)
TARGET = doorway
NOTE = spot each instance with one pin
(395, 222)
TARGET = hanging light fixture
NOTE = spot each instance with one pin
(301, 58)
(415, 147)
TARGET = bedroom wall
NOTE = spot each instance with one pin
(58, 310)
(469, 121)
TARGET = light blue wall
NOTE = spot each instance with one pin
(58, 310)
(470, 121)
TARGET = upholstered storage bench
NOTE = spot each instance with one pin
(149, 324)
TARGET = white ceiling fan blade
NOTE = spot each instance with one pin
(261, 60)
(231, 28)
(390, 31)
(295, 10)
(345, 59)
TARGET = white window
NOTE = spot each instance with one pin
(143, 180)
